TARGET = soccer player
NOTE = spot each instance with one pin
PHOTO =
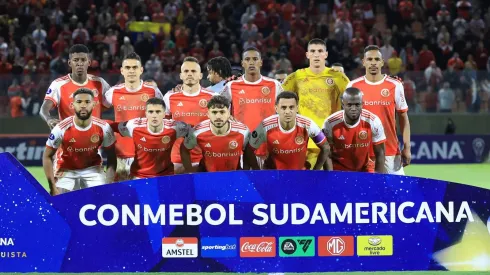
(280, 75)
(153, 137)
(219, 71)
(252, 95)
(351, 134)
(60, 92)
(319, 89)
(221, 140)
(286, 136)
(337, 67)
(129, 101)
(77, 163)
(189, 106)
(384, 96)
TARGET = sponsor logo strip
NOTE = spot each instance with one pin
(375, 245)
(297, 246)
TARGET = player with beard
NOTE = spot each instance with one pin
(252, 95)
(153, 137)
(78, 138)
(60, 92)
(221, 140)
(352, 132)
(129, 101)
(286, 136)
(189, 106)
(319, 89)
(384, 96)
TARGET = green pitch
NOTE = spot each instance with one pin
(471, 174)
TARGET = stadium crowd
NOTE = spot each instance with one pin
(439, 47)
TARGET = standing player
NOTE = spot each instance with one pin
(60, 92)
(219, 70)
(384, 96)
(252, 95)
(188, 105)
(352, 132)
(337, 67)
(78, 138)
(221, 140)
(286, 136)
(153, 137)
(129, 101)
(319, 89)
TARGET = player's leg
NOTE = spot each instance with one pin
(393, 165)
(123, 168)
(67, 181)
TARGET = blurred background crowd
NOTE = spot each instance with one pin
(438, 47)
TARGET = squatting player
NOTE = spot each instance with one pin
(286, 135)
(351, 134)
(384, 96)
(252, 95)
(60, 92)
(77, 163)
(129, 101)
(153, 137)
(319, 89)
(189, 105)
(221, 140)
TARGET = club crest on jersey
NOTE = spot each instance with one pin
(96, 92)
(299, 140)
(385, 92)
(266, 90)
(144, 97)
(94, 138)
(203, 103)
(71, 105)
(329, 81)
(233, 144)
(165, 139)
(363, 134)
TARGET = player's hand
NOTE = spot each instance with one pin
(54, 191)
(53, 122)
(406, 156)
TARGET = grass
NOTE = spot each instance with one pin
(470, 174)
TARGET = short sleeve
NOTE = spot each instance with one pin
(226, 92)
(343, 82)
(55, 138)
(107, 99)
(378, 131)
(53, 93)
(109, 137)
(246, 138)
(166, 100)
(400, 102)
(289, 84)
(182, 128)
(316, 134)
(258, 136)
(190, 140)
(126, 128)
(278, 88)
(105, 86)
(158, 93)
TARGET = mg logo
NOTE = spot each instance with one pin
(336, 246)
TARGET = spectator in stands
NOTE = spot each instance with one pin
(446, 98)
(395, 64)
(433, 75)
(425, 57)
(455, 62)
(153, 66)
(409, 56)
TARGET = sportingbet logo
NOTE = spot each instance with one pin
(186, 114)
(287, 152)
(81, 150)
(242, 101)
(257, 247)
(179, 247)
(221, 155)
(356, 145)
(121, 108)
(26, 151)
(218, 247)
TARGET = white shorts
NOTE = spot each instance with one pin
(79, 179)
(180, 166)
(123, 168)
(393, 165)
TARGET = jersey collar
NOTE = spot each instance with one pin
(76, 83)
(249, 82)
(134, 90)
(80, 128)
(196, 94)
(374, 83)
(355, 124)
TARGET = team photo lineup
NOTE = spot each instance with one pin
(314, 118)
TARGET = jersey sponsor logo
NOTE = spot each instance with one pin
(143, 139)
(72, 140)
(94, 138)
(187, 114)
(363, 134)
(165, 139)
(120, 108)
(242, 101)
(297, 247)
(385, 93)
(329, 81)
(356, 145)
(233, 144)
(139, 146)
(375, 245)
(265, 90)
(180, 104)
(341, 137)
(179, 248)
(203, 103)
(222, 247)
(207, 145)
(335, 246)
(299, 140)
(153, 150)
(82, 150)
(286, 152)
(377, 103)
(144, 97)
(257, 247)
(221, 155)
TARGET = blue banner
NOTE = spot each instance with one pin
(244, 221)
(444, 149)
(27, 149)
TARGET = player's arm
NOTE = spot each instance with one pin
(258, 136)
(316, 134)
(166, 100)
(190, 141)
(53, 143)
(327, 131)
(289, 83)
(342, 83)
(248, 153)
(51, 100)
(404, 123)
(109, 147)
(379, 152)
(106, 90)
(124, 128)
(378, 140)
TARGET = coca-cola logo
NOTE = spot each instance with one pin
(261, 247)
(257, 247)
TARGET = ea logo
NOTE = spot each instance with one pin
(94, 138)
(165, 139)
(266, 90)
(385, 92)
(299, 140)
(144, 97)
(329, 81)
(203, 103)
(233, 144)
(363, 134)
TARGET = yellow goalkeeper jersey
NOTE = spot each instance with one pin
(319, 94)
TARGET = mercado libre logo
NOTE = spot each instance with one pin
(375, 245)
(8, 251)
